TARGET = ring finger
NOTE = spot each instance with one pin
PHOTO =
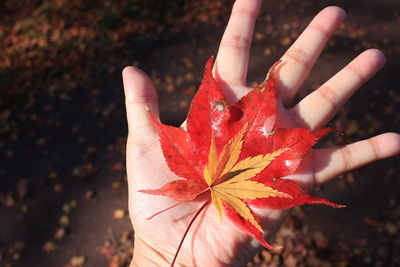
(301, 56)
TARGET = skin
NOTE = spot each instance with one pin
(211, 242)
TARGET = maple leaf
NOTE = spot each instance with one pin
(234, 156)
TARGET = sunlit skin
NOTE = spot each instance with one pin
(209, 241)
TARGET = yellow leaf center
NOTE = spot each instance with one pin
(229, 179)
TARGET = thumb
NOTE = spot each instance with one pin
(140, 99)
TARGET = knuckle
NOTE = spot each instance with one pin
(245, 11)
(356, 70)
(299, 56)
(329, 95)
(322, 29)
(140, 99)
(236, 42)
(347, 158)
(375, 148)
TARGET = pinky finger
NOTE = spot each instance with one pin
(332, 162)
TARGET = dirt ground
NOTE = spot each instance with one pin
(63, 192)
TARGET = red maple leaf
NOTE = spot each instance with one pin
(234, 156)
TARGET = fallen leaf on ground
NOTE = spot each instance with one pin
(64, 220)
(118, 214)
(60, 234)
(49, 247)
(77, 260)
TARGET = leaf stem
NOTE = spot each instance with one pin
(187, 230)
(161, 211)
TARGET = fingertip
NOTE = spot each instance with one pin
(375, 56)
(127, 75)
(138, 87)
(389, 144)
(127, 69)
(334, 11)
(132, 74)
(328, 19)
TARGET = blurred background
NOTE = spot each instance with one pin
(63, 193)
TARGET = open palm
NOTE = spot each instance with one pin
(210, 242)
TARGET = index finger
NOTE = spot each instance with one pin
(233, 54)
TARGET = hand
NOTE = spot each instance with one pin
(209, 242)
